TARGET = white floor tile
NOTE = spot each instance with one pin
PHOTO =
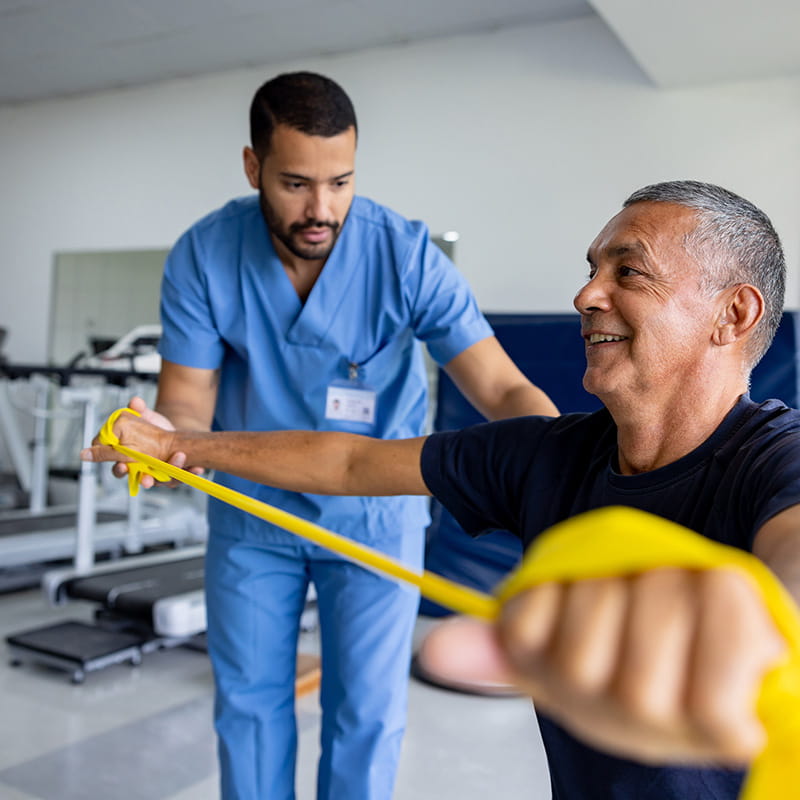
(457, 746)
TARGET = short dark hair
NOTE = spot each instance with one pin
(305, 101)
(740, 241)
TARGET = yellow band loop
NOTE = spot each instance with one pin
(615, 541)
(135, 469)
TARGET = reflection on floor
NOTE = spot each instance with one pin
(144, 733)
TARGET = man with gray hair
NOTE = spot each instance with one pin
(643, 683)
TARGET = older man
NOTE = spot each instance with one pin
(644, 685)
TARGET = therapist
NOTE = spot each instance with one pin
(301, 307)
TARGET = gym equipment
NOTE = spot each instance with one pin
(40, 536)
(160, 595)
(32, 539)
(75, 647)
(144, 603)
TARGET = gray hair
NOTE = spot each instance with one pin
(737, 242)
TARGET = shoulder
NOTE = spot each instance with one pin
(489, 474)
(238, 213)
(759, 461)
(220, 236)
(768, 421)
(521, 438)
(366, 214)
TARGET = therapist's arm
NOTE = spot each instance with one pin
(494, 385)
(187, 396)
(319, 462)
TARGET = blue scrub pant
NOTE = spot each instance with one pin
(255, 593)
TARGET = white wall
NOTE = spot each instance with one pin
(525, 140)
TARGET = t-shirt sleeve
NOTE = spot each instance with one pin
(478, 473)
(445, 314)
(773, 482)
(189, 336)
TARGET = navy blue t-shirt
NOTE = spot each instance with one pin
(526, 474)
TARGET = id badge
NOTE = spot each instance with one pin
(349, 401)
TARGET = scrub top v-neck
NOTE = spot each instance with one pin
(228, 304)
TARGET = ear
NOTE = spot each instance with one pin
(252, 167)
(742, 311)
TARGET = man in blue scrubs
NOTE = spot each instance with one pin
(301, 307)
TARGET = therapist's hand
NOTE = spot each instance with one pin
(149, 433)
(662, 667)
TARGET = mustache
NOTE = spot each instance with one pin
(314, 223)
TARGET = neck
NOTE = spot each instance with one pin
(302, 272)
(652, 435)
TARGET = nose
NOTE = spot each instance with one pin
(318, 206)
(594, 296)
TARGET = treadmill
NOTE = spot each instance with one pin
(145, 602)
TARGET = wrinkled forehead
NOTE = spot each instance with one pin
(644, 229)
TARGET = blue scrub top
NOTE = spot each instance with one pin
(227, 303)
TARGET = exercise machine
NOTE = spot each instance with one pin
(143, 603)
(35, 537)
(146, 602)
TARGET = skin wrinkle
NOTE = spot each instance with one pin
(667, 359)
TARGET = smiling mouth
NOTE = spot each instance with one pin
(600, 338)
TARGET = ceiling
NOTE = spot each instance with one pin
(58, 48)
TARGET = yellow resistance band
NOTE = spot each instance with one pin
(440, 590)
(602, 543)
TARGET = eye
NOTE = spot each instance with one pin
(294, 186)
(627, 272)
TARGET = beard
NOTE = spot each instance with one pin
(287, 234)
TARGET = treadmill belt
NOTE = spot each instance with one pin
(36, 523)
(75, 641)
(134, 591)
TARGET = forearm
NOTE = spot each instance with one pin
(187, 396)
(520, 401)
(495, 386)
(301, 461)
(319, 463)
(777, 544)
(185, 416)
(784, 561)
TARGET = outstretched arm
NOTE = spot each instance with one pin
(494, 385)
(300, 461)
(777, 544)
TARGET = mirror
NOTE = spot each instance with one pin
(97, 297)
